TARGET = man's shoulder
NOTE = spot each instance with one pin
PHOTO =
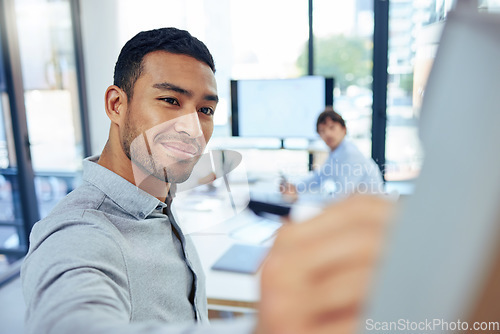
(76, 230)
(349, 152)
(79, 207)
(352, 156)
(84, 197)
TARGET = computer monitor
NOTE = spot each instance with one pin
(279, 108)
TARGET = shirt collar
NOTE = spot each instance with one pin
(129, 197)
(340, 148)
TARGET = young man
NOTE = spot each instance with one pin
(110, 258)
(345, 171)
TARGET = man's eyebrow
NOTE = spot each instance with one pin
(175, 88)
(169, 86)
(214, 98)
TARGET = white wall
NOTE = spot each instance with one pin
(100, 50)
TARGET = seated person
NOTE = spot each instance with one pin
(345, 171)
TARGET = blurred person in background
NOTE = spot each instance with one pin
(345, 171)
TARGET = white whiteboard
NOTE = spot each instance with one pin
(281, 108)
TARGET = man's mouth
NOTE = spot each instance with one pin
(180, 150)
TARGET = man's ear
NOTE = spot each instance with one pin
(115, 103)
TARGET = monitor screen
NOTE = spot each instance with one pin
(280, 108)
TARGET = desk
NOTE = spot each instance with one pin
(225, 290)
(208, 218)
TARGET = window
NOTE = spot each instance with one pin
(414, 33)
(51, 96)
(404, 154)
(40, 115)
(11, 218)
(343, 49)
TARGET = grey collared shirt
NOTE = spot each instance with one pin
(108, 259)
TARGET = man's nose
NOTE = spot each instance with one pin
(189, 124)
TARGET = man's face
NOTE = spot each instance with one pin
(170, 115)
(332, 133)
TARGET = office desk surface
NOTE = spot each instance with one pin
(226, 290)
(209, 220)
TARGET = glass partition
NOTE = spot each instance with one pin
(51, 96)
(11, 223)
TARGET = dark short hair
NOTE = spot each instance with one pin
(331, 114)
(129, 65)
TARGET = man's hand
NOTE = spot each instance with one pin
(289, 191)
(317, 275)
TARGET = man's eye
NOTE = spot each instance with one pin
(207, 111)
(171, 100)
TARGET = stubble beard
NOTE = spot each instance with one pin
(137, 148)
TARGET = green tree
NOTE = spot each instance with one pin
(406, 82)
(347, 59)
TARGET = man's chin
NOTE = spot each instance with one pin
(164, 177)
(177, 178)
(178, 172)
(167, 171)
